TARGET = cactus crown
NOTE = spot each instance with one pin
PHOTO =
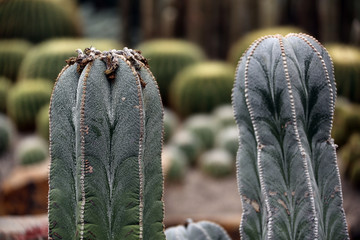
(283, 100)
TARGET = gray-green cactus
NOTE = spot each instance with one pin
(6, 134)
(31, 150)
(284, 97)
(217, 162)
(105, 145)
(197, 231)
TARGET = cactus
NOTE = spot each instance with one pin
(283, 98)
(31, 150)
(6, 134)
(197, 231)
(217, 163)
(355, 174)
(171, 123)
(347, 70)
(42, 122)
(188, 143)
(240, 46)
(12, 53)
(48, 58)
(177, 163)
(224, 115)
(167, 57)
(5, 85)
(105, 147)
(228, 139)
(350, 154)
(25, 100)
(201, 88)
(37, 20)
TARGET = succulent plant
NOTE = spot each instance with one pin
(32, 150)
(5, 85)
(177, 163)
(347, 70)
(217, 162)
(171, 123)
(105, 145)
(37, 20)
(350, 154)
(197, 231)
(201, 88)
(12, 53)
(284, 99)
(25, 100)
(224, 115)
(167, 57)
(48, 58)
(355, 174)
(6, 134)
(240, 46)
(228, 139)
(42, 122)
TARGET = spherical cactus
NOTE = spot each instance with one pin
(228, 139)
(244, 42)
(217, 163)
(188, 143)
(25, 100)
(224, 115)
(37, 20)
(176, 163)
(31, 150)
(202, 87)
(204, 127)
(12, 52)
(48, 58)
(42, 122)
(6, 134)
(167, 57)
(171, 123)
(5, 85)
(347, 70)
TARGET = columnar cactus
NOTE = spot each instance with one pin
(283, 99)
(105, 145)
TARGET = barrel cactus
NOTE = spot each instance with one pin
(202, 87)
(167, 57)
(171, 124)
(176, 163)
(228, 139)
(6, 134)
(42, 122)
(347, 70)
(25, 100)
(105, 146)
(288, 178)
(12, 53)
(48, 58)
(32, 150)
(37, 20)
(217, 163)
(224, 115)
(350, 154)
(5, 86)
(197, 231)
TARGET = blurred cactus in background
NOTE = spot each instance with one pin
(48, 58)
(217, 163)
(224, 115)
(12, 53)
(6, 134)
(167, 57)
(25, 100)
(42, 122)
(175, 163)
(171, 123)
(5, 85)
(201, 87)
(228, 139)
(31, 150)
(188, 143)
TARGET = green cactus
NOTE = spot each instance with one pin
(240, 46)
(228, 139)
(347, 70)
(37, 20)
(32, 150)
(171, 123)
(177, 163)
(217, 163)
(105, 145)
(284, 99)
(25, 100)
(224, 115)
(42, 122)
(202, 87)
(48, 58)
(188, 143)
(197, 231)
(5, 86)
(6, 134)
(350, 154)
(167, 57)
(12, 53)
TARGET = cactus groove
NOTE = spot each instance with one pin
(283, 99)
(105, 145)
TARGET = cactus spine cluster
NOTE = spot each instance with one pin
(284, 99)
(105, 145)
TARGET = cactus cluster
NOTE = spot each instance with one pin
(12, 53)
(25, 100)
(31, 150)
(175, 162)
(217, 162)
(5, 85)
(48, 58)
(37, 20)
(284, 100)
(201, 87)
(105, 147)
(167, 57)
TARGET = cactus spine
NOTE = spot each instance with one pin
(105, 142)
(283, 99)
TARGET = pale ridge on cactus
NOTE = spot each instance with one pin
(106, 125)
(283, 99)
